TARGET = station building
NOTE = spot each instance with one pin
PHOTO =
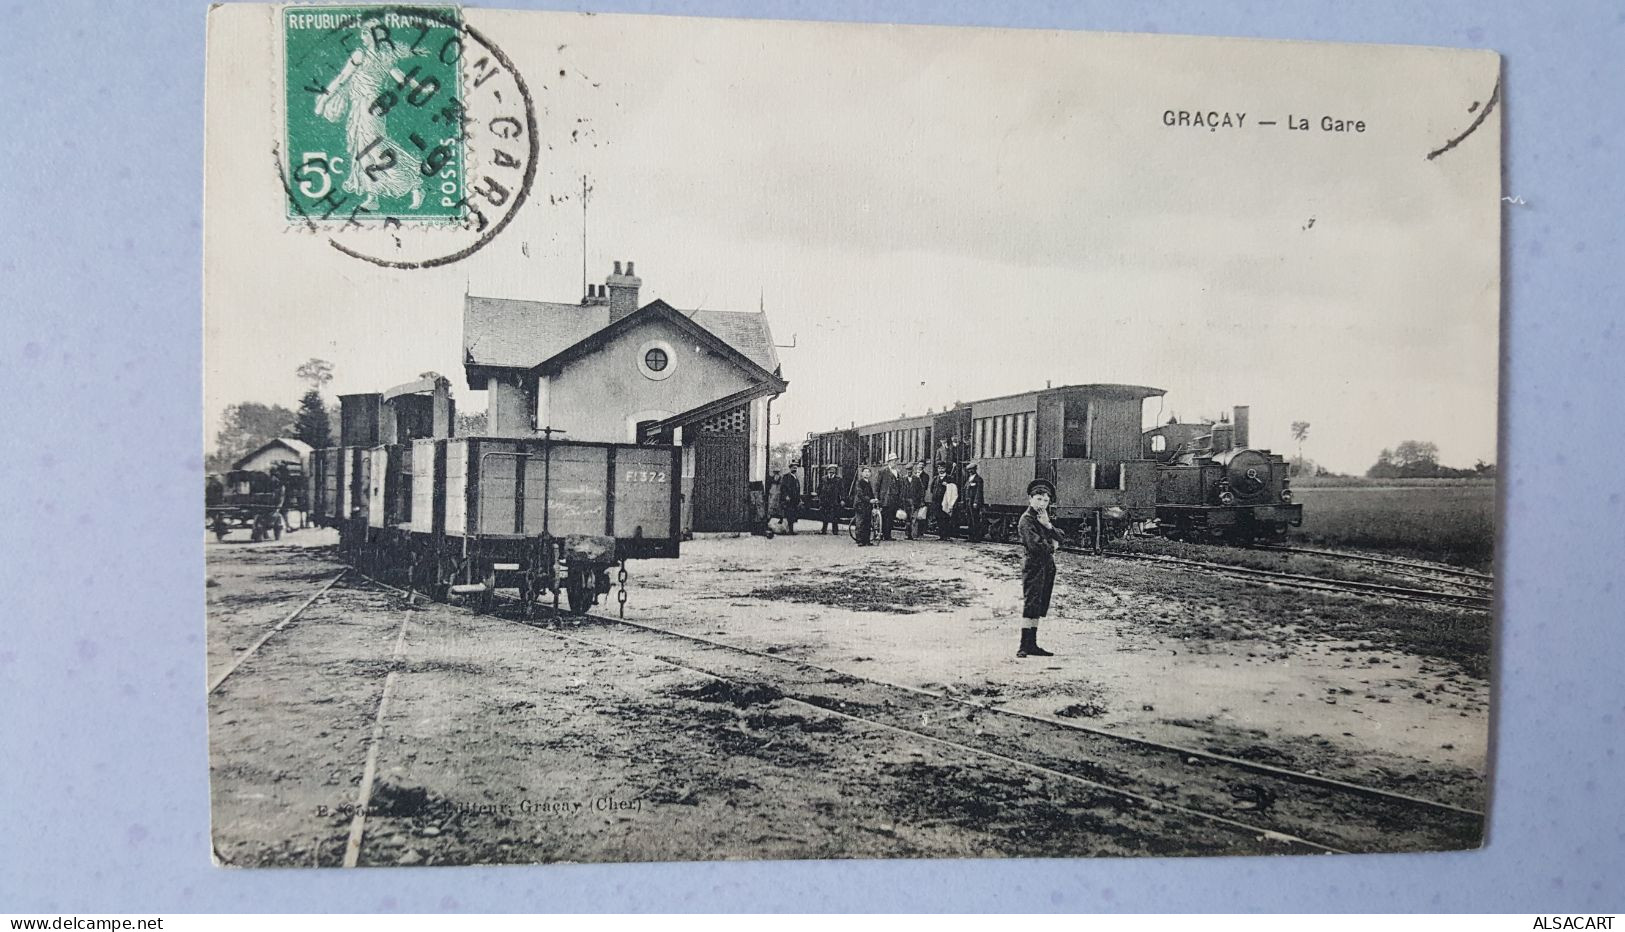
(282, 451)
(610, 369)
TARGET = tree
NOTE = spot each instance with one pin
(1300, 433)
(1384, 467)
(311, 424)
(783, 454)
(1412, 459)
(1417, 458)
(318, 372)
(245, 427)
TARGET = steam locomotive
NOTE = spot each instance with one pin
(1212, 486)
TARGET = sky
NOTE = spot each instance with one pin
(935, 214)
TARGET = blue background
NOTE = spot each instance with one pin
(104, 794)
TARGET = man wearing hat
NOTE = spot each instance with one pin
(829, 500)
(889, 489)
(944, 496)
(790, 498)
(1039, 538)
(974, 498)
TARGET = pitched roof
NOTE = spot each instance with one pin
(658, 309)
(510, 333)
(745, 331)
(299, 447)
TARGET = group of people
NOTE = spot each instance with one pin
(922, 503)
(919, 502)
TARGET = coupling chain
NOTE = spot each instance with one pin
(620, 596)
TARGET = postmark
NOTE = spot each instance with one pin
(409, 137)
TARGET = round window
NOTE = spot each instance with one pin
(656, 360)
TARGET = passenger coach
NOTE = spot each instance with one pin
(1085, 440)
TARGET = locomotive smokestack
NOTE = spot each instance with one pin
(1240, 419)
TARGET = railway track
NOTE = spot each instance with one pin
(1275, 808)
(1433, 572)
(259, 642)
(1471, 600)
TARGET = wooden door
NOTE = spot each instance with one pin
(721, 469)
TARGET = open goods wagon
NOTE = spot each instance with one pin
(470, 515)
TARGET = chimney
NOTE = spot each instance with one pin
(623, 292)
(1240, 420)
(596, 296)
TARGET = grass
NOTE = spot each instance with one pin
(1451, 523)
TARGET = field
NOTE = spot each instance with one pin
(1449, 520)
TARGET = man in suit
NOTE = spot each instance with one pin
(863, 500)
(829, 500)
(974, 497)
(942, 507)
(889, 490)
(919, 508)
(790, 498)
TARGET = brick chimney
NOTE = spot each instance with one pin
(623, 292)
(596, 296)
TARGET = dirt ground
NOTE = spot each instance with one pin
(1137, 650)
(508, 743)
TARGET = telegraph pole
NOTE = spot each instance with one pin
(584, 190)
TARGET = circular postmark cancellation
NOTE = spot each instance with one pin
(410, 138)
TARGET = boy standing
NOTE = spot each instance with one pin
(1039, 539)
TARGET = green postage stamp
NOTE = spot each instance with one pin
(375, 113)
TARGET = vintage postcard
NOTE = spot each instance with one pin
(645, 438)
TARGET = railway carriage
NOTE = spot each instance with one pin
(470, 515)
(1083, 439)
(837, 448)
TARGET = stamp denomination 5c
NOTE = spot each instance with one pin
(409, 138)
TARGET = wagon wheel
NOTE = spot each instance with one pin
(578, 588)
(442, 569)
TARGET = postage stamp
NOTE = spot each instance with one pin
(374, 111)
(408, 137)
